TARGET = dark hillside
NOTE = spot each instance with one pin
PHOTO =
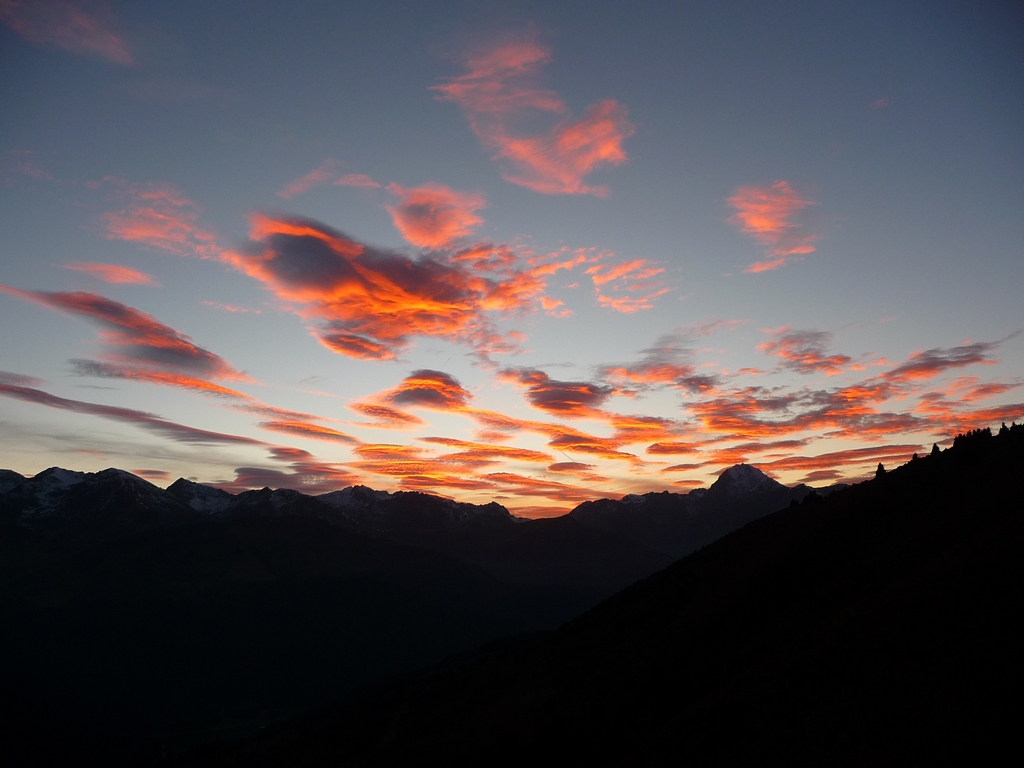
(879, 625)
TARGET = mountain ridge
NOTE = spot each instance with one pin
(877, 626)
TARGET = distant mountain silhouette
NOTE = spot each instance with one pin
(135, 611)
(680, 523)
(877, 626)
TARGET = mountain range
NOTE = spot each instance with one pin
(140, 615)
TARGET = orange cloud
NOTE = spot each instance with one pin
(572, 399)
(313, 431)
(632, 276)
(429, 389)
(768, 215)
(669, 362)
(112, 273)
(433, 216)
(804, 351)
(500, 85)
(322, 174)
(671, 449)
(472, 452)
(67, 26)
(368, 303)
(152, 474)
(557, 162)
(158, 216)
(386, 417)
(631, 429)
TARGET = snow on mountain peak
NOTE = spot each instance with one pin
(62, 477)
(743, 480)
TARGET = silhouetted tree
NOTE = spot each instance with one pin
(935, 449)
(880, 471)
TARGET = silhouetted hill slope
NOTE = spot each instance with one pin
(677, 524)
(878, 626)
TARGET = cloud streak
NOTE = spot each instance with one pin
(134, 337)
(112, 273)
(148, 421)
(67, 26)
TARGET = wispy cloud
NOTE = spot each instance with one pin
(159, 216)
(17, 164)
(112, 273)
(328, 172)
(769, 215)
(433, 215)
(325, 173)
(804, 351)
(67, 26)
(231, 308)
(500, 86)
(20, 379)
(630, 280)
(931, 362)
(149, 421)
(357, 180)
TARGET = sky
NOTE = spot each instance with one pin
(537, 253)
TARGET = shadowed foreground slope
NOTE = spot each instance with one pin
(875, 626)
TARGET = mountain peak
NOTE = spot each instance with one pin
(744, 480)
(60, 476)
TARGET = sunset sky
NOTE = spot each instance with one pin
(536, 253)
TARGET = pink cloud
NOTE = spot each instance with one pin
(323, 174)
(357, 180)
(67, 26)
(768, 215)
(433, 216)
(159, 216)
(112, 273)
(326, 173)
(628, 279)
(501, 85)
